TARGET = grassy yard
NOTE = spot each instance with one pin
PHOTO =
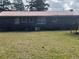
(39, 45)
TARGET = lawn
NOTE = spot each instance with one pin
(39, 45)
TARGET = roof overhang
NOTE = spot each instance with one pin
(36, 13)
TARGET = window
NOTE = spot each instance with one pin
(17, 21)
(41, 20)
(23, 20)
(54, 21)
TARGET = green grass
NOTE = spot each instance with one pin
(39, 45)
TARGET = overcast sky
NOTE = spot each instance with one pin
(60, 5)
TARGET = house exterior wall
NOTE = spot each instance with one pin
(62, 22)
(38, 23)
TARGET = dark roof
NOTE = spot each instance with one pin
(36, 13)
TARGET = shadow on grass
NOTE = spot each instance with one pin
(76, 33)
(73, 35)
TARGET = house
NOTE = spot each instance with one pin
(35, 20)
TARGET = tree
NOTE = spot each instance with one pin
(37, 5)
(71, 10)
(18, 4)
(76, 24)
(4, 6)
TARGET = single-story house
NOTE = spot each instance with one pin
(35, 20)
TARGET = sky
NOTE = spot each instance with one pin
(61, 5)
